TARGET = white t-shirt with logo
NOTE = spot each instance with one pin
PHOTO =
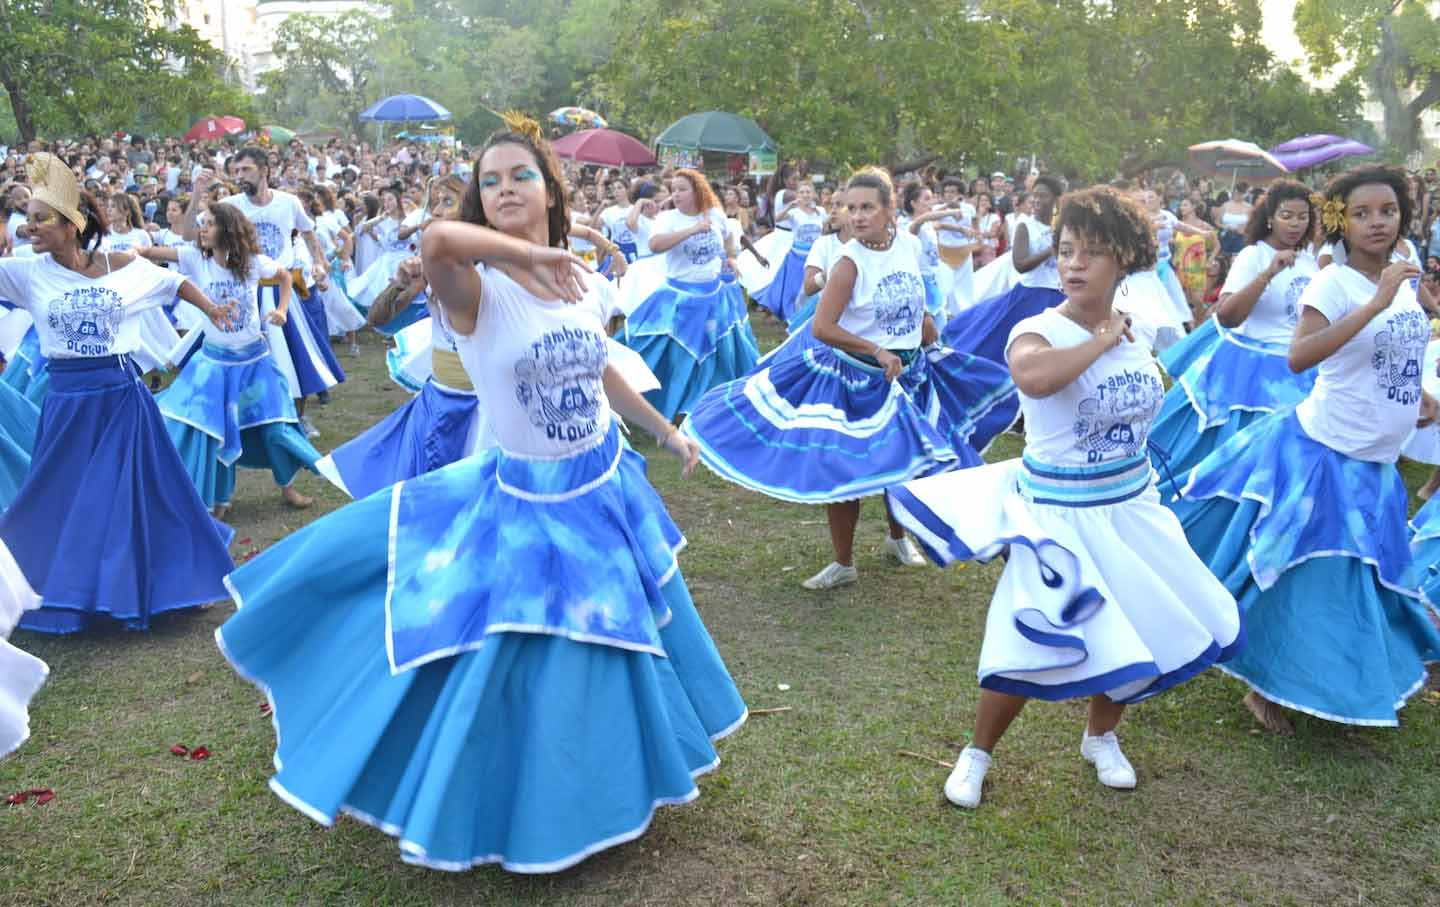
(124, 242)
(1047, 273)
(78, 317)
(805, 225)
(887, 306)
(699, 258)
(1277, 311)
(613, 219)
(1367, 393)
(1102, 416)
(223, 288)
(538, 365)
(275, 222)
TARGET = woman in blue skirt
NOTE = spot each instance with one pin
(105, 523)
(1302, 514)
(1101, 597)
(497, 661)
(983, 328)
(230, 406)
(874, 402)
(693, 332)
(803, 222)
(1238, 368)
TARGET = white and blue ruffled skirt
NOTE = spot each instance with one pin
(815, 425)
(1231, 381)
(27, 370)
(301, 346)
(19, 423)
(1314, 546)
(513, 669)
(21, 674)
(983, 328)
(783, 294)
(692, 336)
(365, 288)
(231, 408)
(1100, 593)
(101, 525)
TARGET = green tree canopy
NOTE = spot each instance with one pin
(74, 67)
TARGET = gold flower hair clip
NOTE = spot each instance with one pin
(524, 124)
(1332, 216)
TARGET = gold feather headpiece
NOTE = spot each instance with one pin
(525, 125)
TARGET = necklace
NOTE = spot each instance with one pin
(880, 246)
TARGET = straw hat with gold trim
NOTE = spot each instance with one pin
(52, 182)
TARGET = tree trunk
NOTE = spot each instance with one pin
(24, 117)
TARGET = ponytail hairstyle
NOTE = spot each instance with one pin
(521, 130)
(97, 222)
(910, 196)
(235, 236)
(874, 178)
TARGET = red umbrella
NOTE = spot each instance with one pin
(212, 128)
(605, 147)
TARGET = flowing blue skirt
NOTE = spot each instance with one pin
(1200, 342)
(102, 526)
(232, 408)
(1224, 390)
(403, 319)
(19, 423)
(693, 336)
(26, 371)
(984, 328)
(1313, 546)
(815, 425)
(432, 429)
(532, 748)
(782, 295)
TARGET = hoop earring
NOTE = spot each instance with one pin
(1124, 287)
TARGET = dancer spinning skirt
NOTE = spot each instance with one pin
(802, 222)
(101, 525)
(21, 674)
(983, 329)
(19, 423)
(1244, 373)
(817, 266)
(514, 671)
(441, 424)
(1302, 514)
(693, 332)
(385, 229)
(1100, 596)
(862, 407)
(230, 406)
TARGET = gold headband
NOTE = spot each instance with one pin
(523, 124)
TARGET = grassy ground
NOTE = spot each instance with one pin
(814, 806)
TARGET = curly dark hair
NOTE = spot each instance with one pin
(235, 236)
(473, 211)
(1341, 186)
(1281, 191)
(1103, 218)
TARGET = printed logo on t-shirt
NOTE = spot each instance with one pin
(271, 240)
(558, 381)
(87, 319)
(701, 248)
(899, 303)
(806, 234)
(1292, 298)
(1116, 419)
(1399, 350)
(232, 293)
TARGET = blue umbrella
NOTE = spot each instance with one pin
(403, 107)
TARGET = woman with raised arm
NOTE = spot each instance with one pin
(870, 402)
(230, 405)
(1100, 597)
(513, 670)
(1238, 367)
(1303, 514)
(105, 523)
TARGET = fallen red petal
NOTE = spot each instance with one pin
(244, 541)
(200, 752)
(180, 749)
(17, 799)
(46, 797)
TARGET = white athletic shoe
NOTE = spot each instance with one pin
(963, 786)
(834, 575)
(1111, 766)
(309, 428)
(904, 551)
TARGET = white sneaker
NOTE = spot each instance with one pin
(1111, 766)
(834, 575)
(309, 428)
(904, 551)
(963, 786)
